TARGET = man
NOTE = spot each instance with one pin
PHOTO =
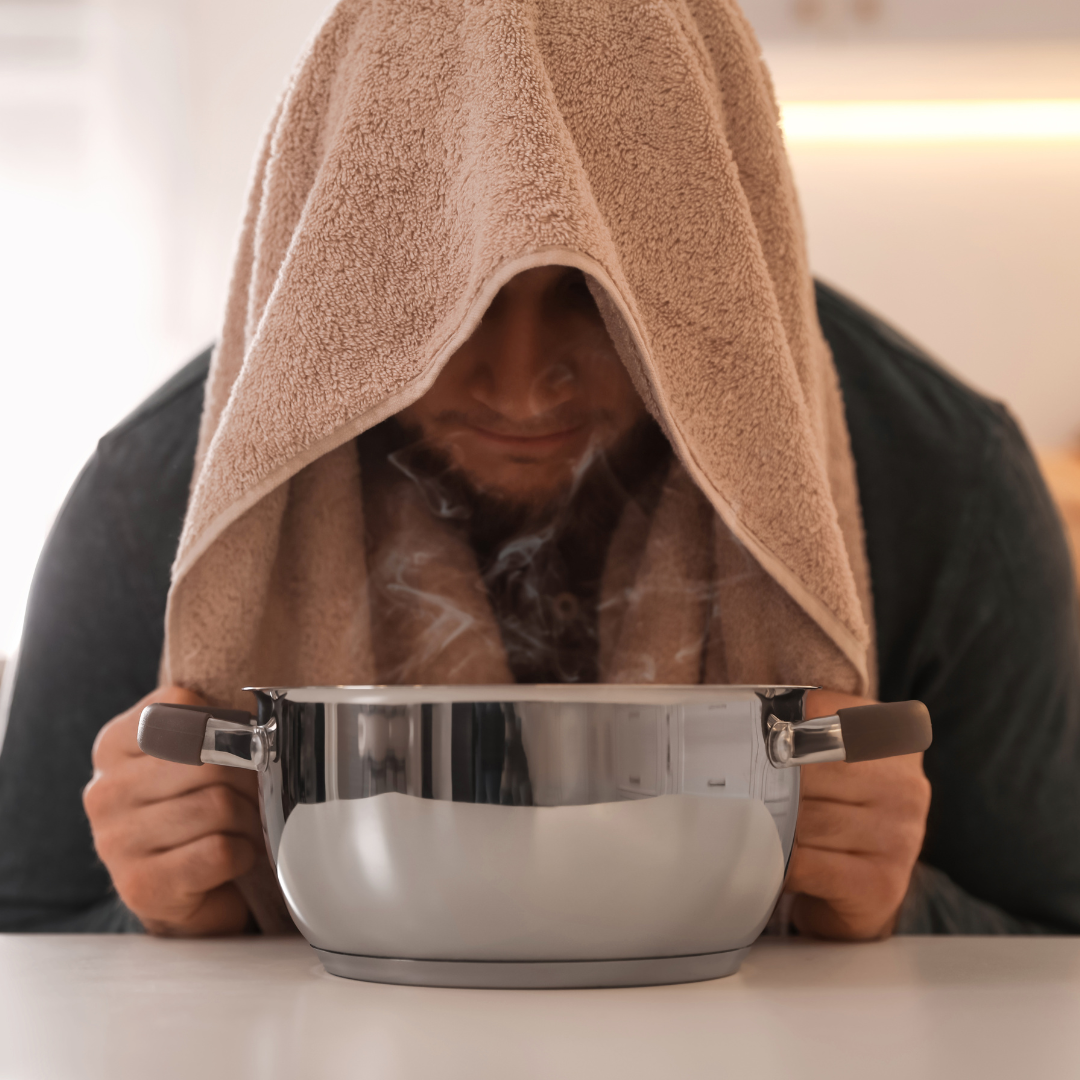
(449, 338)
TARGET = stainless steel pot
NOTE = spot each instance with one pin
(530, 836)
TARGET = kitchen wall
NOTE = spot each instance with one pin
(967, 238)
(127, 128)
(919, 20)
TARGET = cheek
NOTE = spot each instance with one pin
(609, 384)
(442, 396)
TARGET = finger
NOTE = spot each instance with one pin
(830, 702)
(119, 737)
(116, 798)
(837, 876)
(174, 881)
(858, 829)
(843, 895)
(221, 911)
(865, 782)
(814, 917)
(174, 823)
(145, 780)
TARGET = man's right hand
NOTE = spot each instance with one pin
(173, 837)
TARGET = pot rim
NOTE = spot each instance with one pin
(556, 693)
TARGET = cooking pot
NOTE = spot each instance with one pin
(530, 836)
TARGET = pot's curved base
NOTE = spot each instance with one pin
(534, 975)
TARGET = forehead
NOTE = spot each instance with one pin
(537, 280)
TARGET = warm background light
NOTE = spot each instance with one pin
(930, 121)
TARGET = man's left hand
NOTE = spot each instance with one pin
(860, 830)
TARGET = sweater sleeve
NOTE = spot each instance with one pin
(90, 648)
(937, 905)
(998, 664)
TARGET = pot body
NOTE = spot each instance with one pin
(528, 836)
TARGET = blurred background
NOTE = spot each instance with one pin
(936, 145)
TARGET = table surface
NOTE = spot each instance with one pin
(126, 1007)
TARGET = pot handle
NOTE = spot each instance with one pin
(197, 735)
(861, 733)
(888, 730)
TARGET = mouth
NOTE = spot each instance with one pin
(538, 444)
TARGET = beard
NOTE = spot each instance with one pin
(541, 558)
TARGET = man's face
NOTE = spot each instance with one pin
(536, 391)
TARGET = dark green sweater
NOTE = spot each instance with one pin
(973, 595)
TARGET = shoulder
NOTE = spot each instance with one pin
(120, 523)
(139, 475)
(900, 402)
(943, 472)
(133, 492)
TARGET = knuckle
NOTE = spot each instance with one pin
(137, 890)
(904, 844)
(105, 845)
(219, 850)
(219, 809)
(91, 798)
(176, 695)
(917, 798)
(926, 791)
(896, 891)
(112, 737)
(221, 803)
(97, 798)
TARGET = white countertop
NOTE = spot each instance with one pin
(73, 1007)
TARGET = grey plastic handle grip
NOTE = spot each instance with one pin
(176, 732)
(886, 730)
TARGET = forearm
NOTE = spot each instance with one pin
(935, 904)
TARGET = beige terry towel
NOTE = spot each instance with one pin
(426, 152)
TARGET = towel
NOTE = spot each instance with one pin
(425, 153)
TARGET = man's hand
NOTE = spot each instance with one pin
(173, 837)
(859, 832)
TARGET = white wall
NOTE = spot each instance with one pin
(127, 129)
(191, 85)
(879, 20)
(972, 247)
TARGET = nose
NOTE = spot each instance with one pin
(518, 371)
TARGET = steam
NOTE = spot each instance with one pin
(541, 568)
(544, 596)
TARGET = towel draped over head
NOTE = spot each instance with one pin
(425, 152)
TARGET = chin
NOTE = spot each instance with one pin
(532, 495)
(531, 498)
(524, 481)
